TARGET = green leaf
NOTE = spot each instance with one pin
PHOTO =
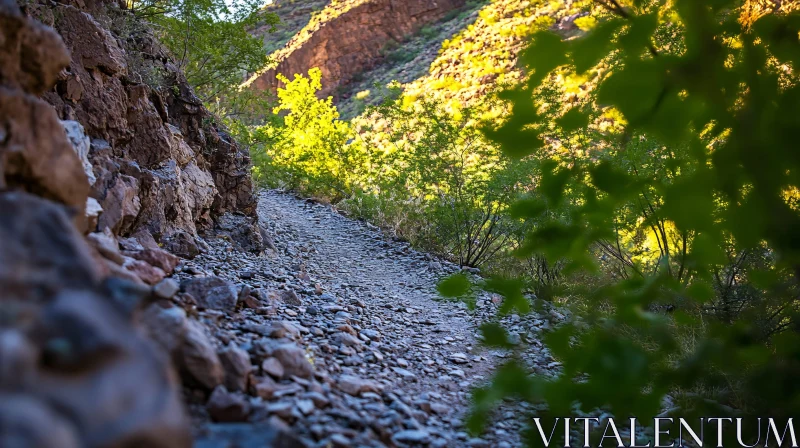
(554, 181)
(638, 35)
(635, 90)
(587, 51)
(573, 120)
(546, 52)
(610, 179)
(457, 285)
(494, 335)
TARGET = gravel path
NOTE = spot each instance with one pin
(393, 363)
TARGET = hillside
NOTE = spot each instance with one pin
(460, 55)
(294, 16)
(349, 37)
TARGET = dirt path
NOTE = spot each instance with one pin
(393, 362)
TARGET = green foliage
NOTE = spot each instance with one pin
(210, 42)
(306, 148)
(668, 182)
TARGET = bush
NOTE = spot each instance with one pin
(666, 183)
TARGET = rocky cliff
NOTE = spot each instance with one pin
(110, 170)
(351, 40)
(156, 161)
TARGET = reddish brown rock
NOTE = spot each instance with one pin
(236, 363)
(224, 406)
(294, 361)
(158, 258)
(353, 41)
(199, 359)
(145, 271)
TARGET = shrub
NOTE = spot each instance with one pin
(677, 213)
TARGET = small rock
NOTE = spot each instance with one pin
(212, 293)
(236, 363)
(305, 406)
(198, 357)
(294, 361)
(412, 436)
(224, 406)
(264, 387)
(166, 288)
(354, 385)
(290, 298)
(157, 257)
(273, 367)
(458, 358)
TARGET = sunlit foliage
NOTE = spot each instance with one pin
(664, 182)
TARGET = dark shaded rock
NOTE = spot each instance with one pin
(198, 359)
(182, 244)
(224, 406)
(212, 293)
(236, 363)
(241, 230)
(41, 253)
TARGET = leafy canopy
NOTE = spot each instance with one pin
(684, 133)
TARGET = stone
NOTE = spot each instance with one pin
(289, 297)
(224, 406)
(264, 387)
(182, 244)
(458, 358)
(282, 329)
(412, 436)
(41, 252)
(166, 289)
(236, 364)
(273, 367)
(406, 374)
(93, 212)
(167, 326)
(199, 359)
(347, 339)
(305, 406)
(251, 302)
(353, 385)
(147, 273)
(294, 361)
(212, 293)
(80, 144)
(121, 204)
(158, 258)
(106, 244)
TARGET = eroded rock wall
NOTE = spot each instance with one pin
(354, 41)
(74, 371)
(161, 164)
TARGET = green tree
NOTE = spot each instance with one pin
(210, 42)
(680, 140)
(307, 148)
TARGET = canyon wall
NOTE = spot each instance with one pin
(353, 41)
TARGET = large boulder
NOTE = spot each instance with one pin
(69, 351)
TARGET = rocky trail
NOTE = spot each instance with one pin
(349, 343)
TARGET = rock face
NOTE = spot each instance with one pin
(154, 157)
(109, 157)
(353, 41)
